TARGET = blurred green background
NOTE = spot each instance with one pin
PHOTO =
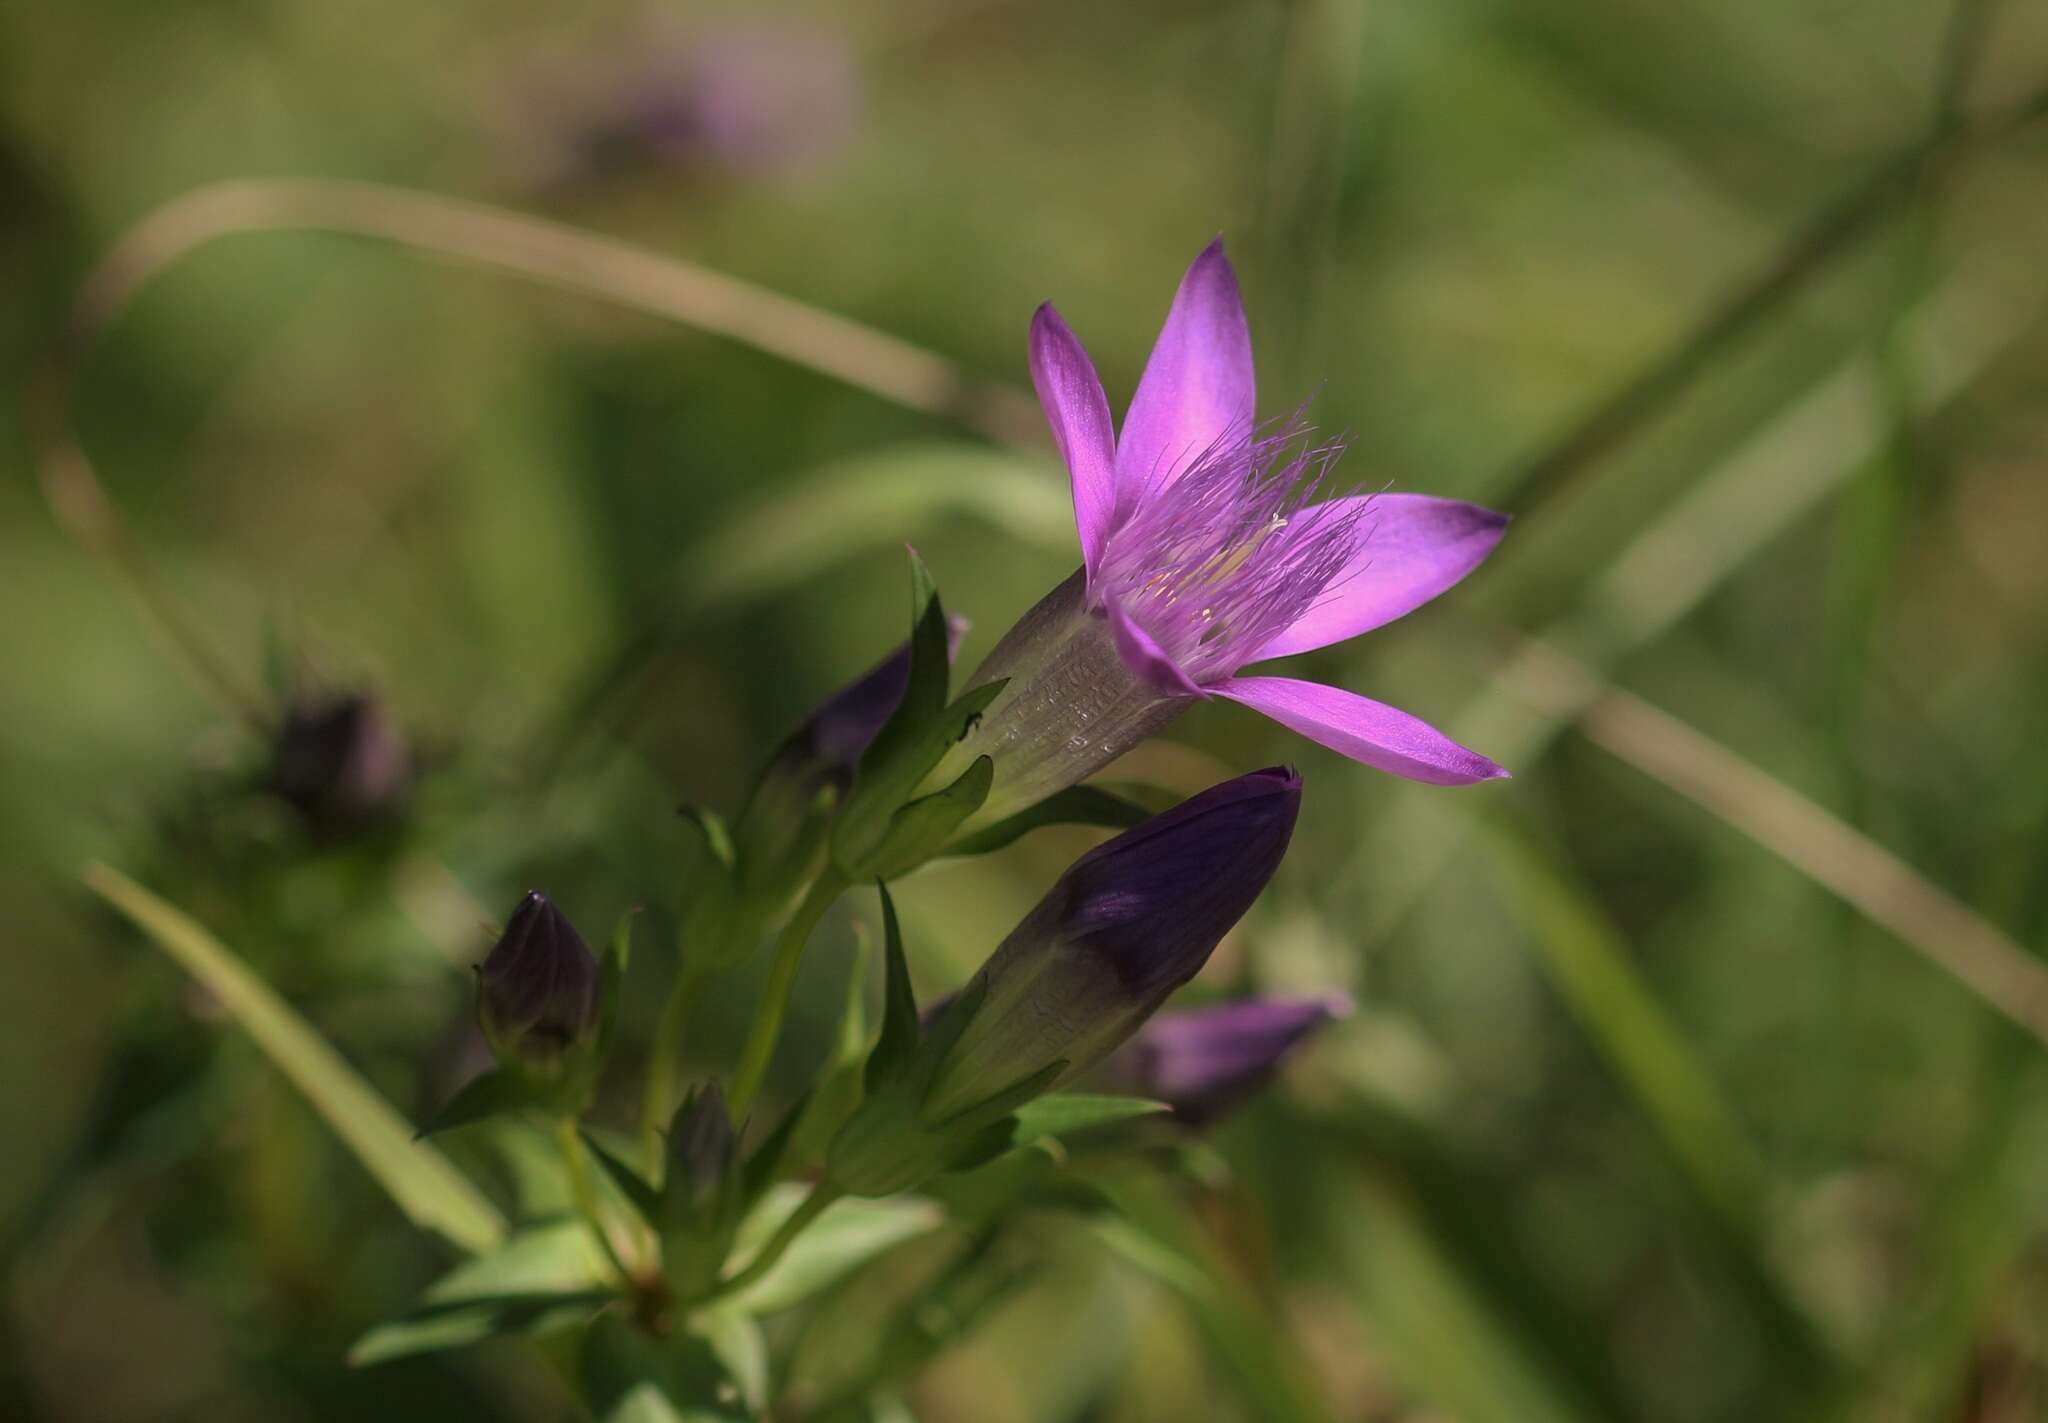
(1664, 1099)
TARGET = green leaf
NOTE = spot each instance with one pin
(898, 1040)
(1076, 1111)
(842, 509)
(540, 1280)
(920, 830)
(495, 1093)
(634, 1187)
(629, 1376)
(717, 837)
(736, 1342)
(431, 1192)
(842, 1083)
(889, 774)
(1076, 805)
(849, 1233)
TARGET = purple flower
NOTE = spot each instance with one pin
(1204, 551)
(753, 99)
(1127, 924)
(537, 993)
(1204, 1061)
(341, 763)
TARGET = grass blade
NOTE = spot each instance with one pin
(431, 1192)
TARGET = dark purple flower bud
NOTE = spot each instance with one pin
(779, 833)
(537, 993)
(1127, 924)
(702, 1149)
(341, 763)
(829, 744)
(1205, 1061)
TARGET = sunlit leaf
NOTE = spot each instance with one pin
(431, 1192)
(1078, 1111)
(851, 1232)
(544, 1279)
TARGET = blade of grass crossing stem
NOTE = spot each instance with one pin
(1439, 1335)
(431, 1192)
(1589, 967)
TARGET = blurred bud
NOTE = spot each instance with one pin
(537, 993)
(702, 1149)
(1127, 924)
(1205, 1061)
(342, 763)
(702, 1198)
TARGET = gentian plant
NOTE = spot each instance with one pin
(1208, 544)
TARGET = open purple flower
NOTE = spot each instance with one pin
(1203, 551)
(1204, 1061)
(1127, 924)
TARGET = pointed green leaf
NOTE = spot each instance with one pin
(540, 1280)
(1076, 805)
(1065, 1112)
(642, 1196)
(899, 1035)
(494, 1093)
(888, 777)
(921, 829)
(847, 1235)
(717, 837)
(431, 1192)
(995, 1108)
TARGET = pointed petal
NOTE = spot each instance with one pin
(1146, 659)
(1411, 548)
(1197, 386)
(1078, 412)
(1374, 733)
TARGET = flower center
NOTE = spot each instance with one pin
(1222, 560)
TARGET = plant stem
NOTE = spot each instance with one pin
(584, 1192)
(767, 1028)
(658, 1100)
(822, 1195)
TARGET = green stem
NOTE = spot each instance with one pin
(584, 1191)
(767, 1028)
(822, 1195)
(664, 1061)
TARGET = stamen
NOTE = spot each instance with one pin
(1217, 564)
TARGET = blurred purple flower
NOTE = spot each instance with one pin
(762, 99)
(341, 763)
(537, 993)
(1202, 552)
(1127, 924)
(1205, 1061)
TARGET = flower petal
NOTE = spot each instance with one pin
(1198, 384)
(1078, 412)
(1374, 733)
(1412, 547)
(1146, 659)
